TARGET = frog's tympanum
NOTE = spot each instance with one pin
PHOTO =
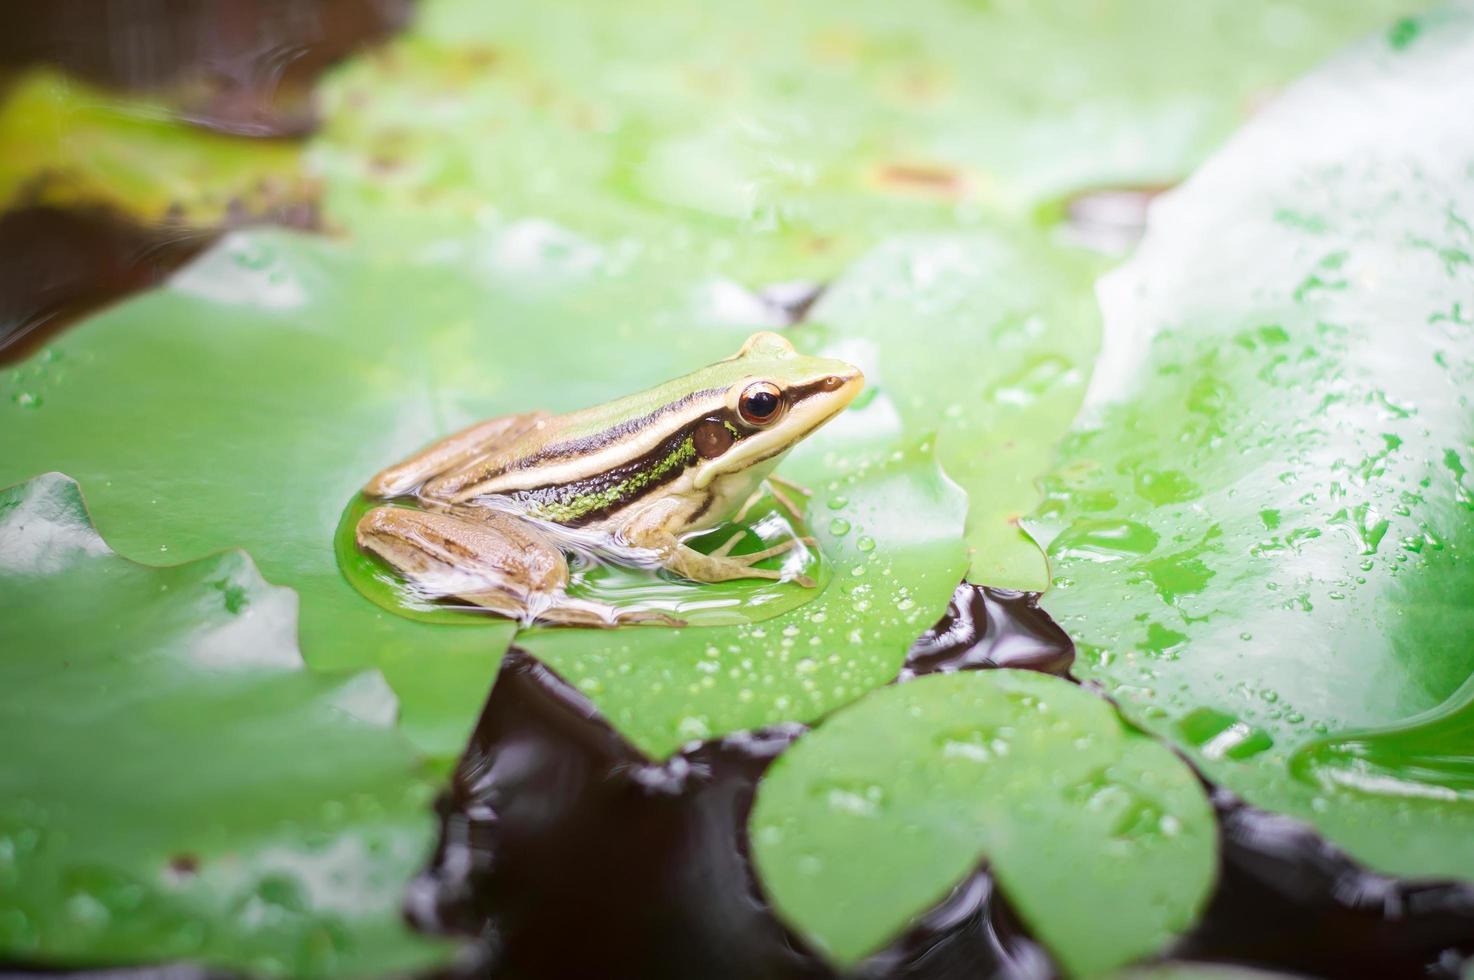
(628, 481)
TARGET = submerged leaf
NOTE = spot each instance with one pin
(1261, 532)
(68, 144)
(1100, 837)
(177, 786)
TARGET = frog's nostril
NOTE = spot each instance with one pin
(832, 383)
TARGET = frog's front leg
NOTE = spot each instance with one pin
(452, 453)
(652, 529)
(495, 561)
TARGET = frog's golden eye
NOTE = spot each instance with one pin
(761, 403)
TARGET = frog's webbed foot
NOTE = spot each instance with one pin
(495, 562)
(721, 566)
(756, 556)
(783, 547)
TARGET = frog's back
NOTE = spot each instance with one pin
(623, 448)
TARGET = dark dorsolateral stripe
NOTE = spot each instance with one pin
(591, 499)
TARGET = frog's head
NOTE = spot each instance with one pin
(773, 398)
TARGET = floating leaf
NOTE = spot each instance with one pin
(177, 786)
(990, 336)
(68, 144)
(890, 523)
(1101, 838)
(1261, 531)
(781, 140)
(246, 402)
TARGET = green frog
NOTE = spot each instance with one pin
(629, 481)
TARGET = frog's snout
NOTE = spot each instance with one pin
(844, 385)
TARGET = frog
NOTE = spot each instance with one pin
(499, 506)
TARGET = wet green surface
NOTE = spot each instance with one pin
(1261, 533)
(189, 791)
(1102, 839)
(987, 338)
(780, 141)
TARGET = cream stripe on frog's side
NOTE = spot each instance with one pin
(549, 456)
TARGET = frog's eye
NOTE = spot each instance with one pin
(761, 403)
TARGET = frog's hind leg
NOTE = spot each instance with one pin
(452, 453)
(499, 563)
(495, 561)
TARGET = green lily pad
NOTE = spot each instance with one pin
(1261, 531)
(1101, 838)
(68, 144)
(177, 785)
(243, 405)
(888, 521)
(989, 336)
(782, 140)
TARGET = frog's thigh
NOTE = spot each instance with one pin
(495, 561)
(452, 452)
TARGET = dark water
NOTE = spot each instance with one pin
(985, 627)
(1287, 898)
(59, 265)
(569, 855)
(235, 66)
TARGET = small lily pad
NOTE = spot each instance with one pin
(1101, 838)
(177, 785)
